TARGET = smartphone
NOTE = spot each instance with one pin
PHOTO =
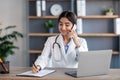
(74, 27)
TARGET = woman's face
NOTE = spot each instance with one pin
(65, 26)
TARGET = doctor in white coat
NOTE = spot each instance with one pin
(61, 50)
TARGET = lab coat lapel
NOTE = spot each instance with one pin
(60, 41)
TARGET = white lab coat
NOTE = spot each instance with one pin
(59, 58)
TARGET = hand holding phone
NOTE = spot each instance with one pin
(73, 30)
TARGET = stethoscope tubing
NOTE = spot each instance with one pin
(58, 54)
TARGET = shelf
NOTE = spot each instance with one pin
(40, 51)
(84, 17)
(98, 35)
(82, 35)
(99, 16)
(42, 34)
(115, 52)
(35, 51)
(43, 17)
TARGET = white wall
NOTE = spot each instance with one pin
(14, 12)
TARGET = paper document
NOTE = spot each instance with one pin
(39, 74)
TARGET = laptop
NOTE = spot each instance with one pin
(92, 63)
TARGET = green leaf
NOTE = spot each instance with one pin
(49, 24)
(6, 42)
(10, 27)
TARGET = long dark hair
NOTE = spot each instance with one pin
(69, 15)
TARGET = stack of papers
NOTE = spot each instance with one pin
(39, 74)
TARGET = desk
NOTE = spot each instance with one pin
(114, 74)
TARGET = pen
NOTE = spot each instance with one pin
(35, 65)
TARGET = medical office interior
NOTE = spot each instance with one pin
(100, 30)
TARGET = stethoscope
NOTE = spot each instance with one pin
(56, 42)
(57, 54)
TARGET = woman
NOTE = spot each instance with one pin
(62, 50)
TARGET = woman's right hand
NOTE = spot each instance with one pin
(35, 69)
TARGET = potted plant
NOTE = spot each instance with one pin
(109, 11)
(7, 43)
(50, 25)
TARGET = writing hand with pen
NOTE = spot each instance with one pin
(35, 69)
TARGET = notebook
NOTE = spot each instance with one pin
(92, 63)
(39, 74)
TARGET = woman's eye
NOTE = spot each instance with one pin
(67, 25)
(60, 24)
